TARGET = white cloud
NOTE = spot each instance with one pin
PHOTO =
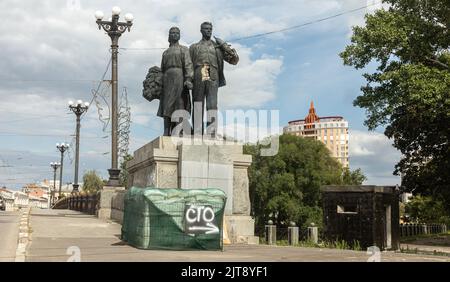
(249, 126)
(374, 154)
(365, 143)
(251, 83)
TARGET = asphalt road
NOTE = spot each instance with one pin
(9, 232)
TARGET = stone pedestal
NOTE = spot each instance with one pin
(293, 235)
(111, 203)
(271, 234)
(313, 234)
(170, 162)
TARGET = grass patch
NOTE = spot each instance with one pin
(342, 245)
(444, 237)
(338, 244)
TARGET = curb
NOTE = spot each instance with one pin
(24, 236)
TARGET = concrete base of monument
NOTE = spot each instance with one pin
(111, 203)
(197, 163)
(241, 229)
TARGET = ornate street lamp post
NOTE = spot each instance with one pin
(55, 167)
(114, 29)
(78, 109)
(62, 148)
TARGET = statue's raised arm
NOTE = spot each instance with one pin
(229, 54)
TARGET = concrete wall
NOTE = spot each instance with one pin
(117, 207)
(112, 204)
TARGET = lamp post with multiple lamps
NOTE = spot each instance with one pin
(63, 147)
(78, 109)
(55, 167)
(114, 29)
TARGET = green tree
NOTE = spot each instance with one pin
(409, 91)
(427, 210)
(288, 184)
(355, 177)
(123, 171)
(92, 183)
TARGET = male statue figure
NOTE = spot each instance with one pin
(176, 68)
(208, 59)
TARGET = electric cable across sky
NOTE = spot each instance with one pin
(274, 31)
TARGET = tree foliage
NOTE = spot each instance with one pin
(409, 91)
(92, 183)
(286, 187)
(425, 209)
(355, 177)
(124, 172)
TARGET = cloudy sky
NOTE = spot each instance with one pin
(53, 52)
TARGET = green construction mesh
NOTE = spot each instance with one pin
(156, 219)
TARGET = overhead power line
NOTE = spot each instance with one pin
(274, 31)
(28, 119)
(45, 135)
(101, 81)
(305, 24)
(48, 80)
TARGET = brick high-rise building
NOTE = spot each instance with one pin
(332, 131)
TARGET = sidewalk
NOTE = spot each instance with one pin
(9, 233)
(425, 248)
(55, 231)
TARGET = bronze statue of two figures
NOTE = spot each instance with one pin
(199, 69)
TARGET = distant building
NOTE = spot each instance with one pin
(37, 202)
(6, 193)
(49, 184)
(332, 131)
(36, 190)
(8, 197)
(21, 199)
(32, 195)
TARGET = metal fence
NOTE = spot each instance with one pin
(413, 229)
(279, 234)
(282, 234)
(85, 203)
